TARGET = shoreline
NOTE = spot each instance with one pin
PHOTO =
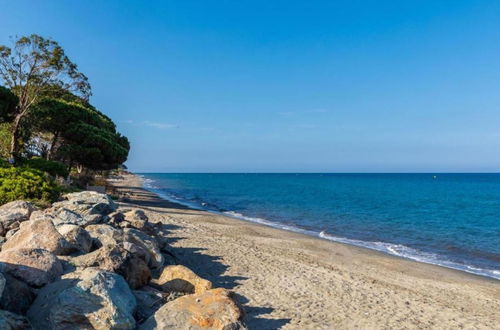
(371, 246)
(320, 283)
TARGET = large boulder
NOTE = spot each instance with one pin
(36, 267)
(78, 237)
(2, 284)
(11, 321)
(17, 296)
(87, 203)
(148, 243)
(39, 234)
(181, 279)
(118, 260)
(13, 213)
(149, 300)
(90, 299)
(213, 309)
(137, 219)
(65, 215)
(103, 235)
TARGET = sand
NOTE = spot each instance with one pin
(293, 281)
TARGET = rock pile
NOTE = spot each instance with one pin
(85, 264)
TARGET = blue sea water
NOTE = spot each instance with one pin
(448, 219)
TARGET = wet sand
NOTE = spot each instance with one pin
(293, 281)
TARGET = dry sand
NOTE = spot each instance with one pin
(293, 281)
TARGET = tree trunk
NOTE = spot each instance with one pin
(14, 142)
(52, 146)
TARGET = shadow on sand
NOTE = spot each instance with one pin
(205, 265)
(211, 268)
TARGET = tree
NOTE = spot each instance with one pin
(31, 68)
(93, 147)
(55, 116)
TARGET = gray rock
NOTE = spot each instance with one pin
(2, 284)
(66, 216)
(36, 267)
(103, 234)
(149, 300)
(17, 296)
(17, 211)
(78, 237)
(88, 203)
(90, 299)
(11, 321)
(39, 234)
(118, 260)
(146, 242)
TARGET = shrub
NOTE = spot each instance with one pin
(27, 184)
(4, 163)
(51, 167)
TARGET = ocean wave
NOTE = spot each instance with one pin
(389, 248)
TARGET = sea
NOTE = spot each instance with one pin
(452, 220)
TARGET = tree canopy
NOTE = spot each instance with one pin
(8, 103)
(46, 110)
(81, 135)
(33, 66)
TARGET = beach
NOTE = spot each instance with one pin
(294, 281)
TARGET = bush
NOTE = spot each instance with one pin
(4, 163)
(27, 184)
(51, 167)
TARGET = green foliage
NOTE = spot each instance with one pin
(5, 132)
(32, 67)
(95, 148)
(4, 164)
(83, 135)
(27, 184)
(51, 167)
(8, 102)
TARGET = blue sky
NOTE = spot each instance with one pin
(280, 86)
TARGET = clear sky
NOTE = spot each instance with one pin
(301, 86)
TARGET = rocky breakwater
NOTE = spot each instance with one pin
(84, 263)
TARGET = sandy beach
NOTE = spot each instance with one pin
(293, 281)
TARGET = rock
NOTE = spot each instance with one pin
(148, 243)
(118, 260)
(17, 211)
(181, 279)
(138, 219)
(212, 309)
(104, 235)
(90, 299)
(11, 321)
(39, 234)
(10, 233)
(40, 215)
(78, 237)
(2, 284)
(149, 300)
(88, 203)
(17, 296)
(137, 250)
(67, 216)
(115, 218)
(36, 267)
